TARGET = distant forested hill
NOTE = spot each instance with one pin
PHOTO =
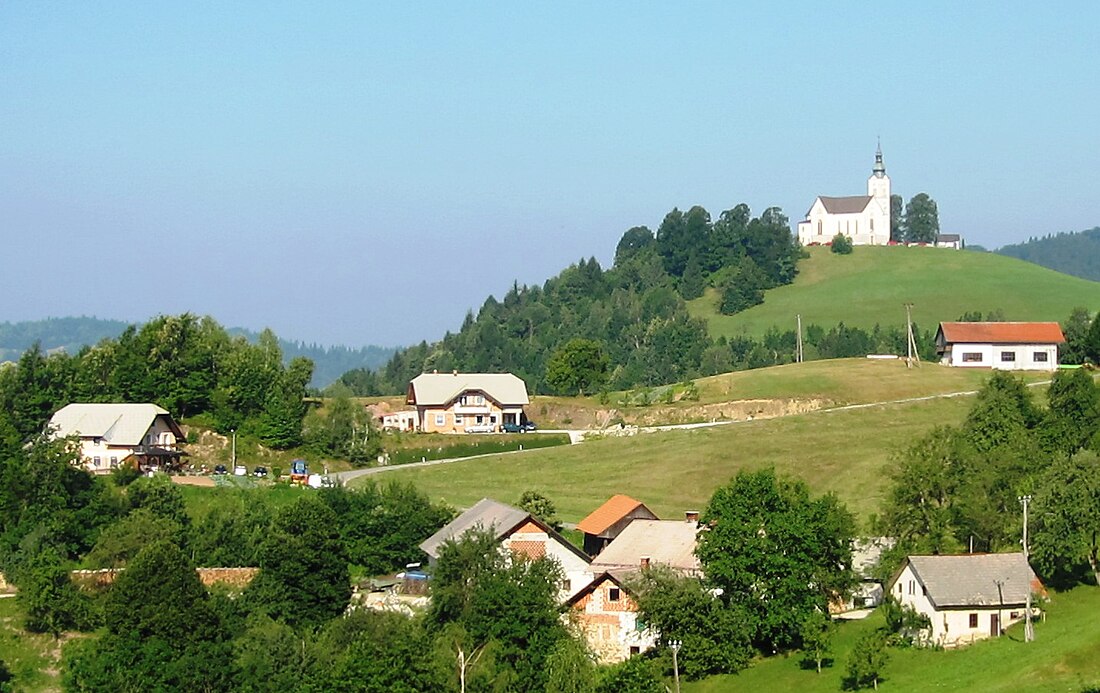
(1076, 253)
(71, 334)
(589, 328)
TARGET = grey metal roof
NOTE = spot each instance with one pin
(116, 424)
(487, 514)
(429, 389)
(670, 542)
(974, 579)
(845, 205)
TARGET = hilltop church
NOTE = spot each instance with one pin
(863, 218)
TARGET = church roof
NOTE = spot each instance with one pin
(853, 204)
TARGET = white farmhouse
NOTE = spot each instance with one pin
(865, 219)
(112, 435)
(967, 597)
(1012, 346)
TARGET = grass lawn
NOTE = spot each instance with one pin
(1064, 657)
(846, 381)
(31, 658)
(845, 452)
(199, 501)
(872, 284)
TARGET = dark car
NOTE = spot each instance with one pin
(259, 472)
(220, 469)
(519, 428)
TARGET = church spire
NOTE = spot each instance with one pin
(880, 168)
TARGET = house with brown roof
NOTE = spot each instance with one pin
(1002, 345)
(519, 533)
(609, 520)
(119, 434)
(865, 219)
(606, 616)
(966, 597)
(467, 402)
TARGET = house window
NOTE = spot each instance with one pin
(973, 620)
(458, 419)
(613, 594)
(1008, 356)
(479, 399)
(493, 419)
(480, 419)
(440, 419)
(95, 461)
(1040, 357)
(114, 462)
(972, 357)
(634, 649)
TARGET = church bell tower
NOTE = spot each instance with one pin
(878, 188)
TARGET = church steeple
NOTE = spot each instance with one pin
(880, 168)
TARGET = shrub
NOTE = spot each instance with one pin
(842, 245)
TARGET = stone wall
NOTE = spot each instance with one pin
(95, 580)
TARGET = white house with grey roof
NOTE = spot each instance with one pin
(966, 597)
(467, 402)
(520, 534)
(112, 435)
(644, 543)
(865, 219)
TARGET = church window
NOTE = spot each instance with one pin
(818, 227)
(872, 225)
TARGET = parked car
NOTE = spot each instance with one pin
(240, 470)
(520, 427)
(220, 469)
(260, 472)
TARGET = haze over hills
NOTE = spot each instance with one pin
(70, 334)
(1076, 253)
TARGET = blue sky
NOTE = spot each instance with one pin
(355, 173)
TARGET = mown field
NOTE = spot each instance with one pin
(845, 452)
(871, 285)
(1064, 658)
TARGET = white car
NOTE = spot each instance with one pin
(240, 470)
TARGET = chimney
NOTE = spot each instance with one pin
(691, 516)
(644, 563)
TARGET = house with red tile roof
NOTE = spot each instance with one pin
(1013, 346)
(609, 520)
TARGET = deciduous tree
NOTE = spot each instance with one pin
(776, 552)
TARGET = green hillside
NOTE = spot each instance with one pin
(871, 285)
(677, 470)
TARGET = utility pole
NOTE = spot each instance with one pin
(798, 354)
(675, 646)
(233, 455)
(1029, 628)
(910, 342)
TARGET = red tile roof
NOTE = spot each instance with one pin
(1002, 332)
(616, 508)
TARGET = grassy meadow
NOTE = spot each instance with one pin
(871, 285)
(845, 452)
(1065, 657)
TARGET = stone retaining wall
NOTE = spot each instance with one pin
(96, 580)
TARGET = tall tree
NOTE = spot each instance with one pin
(1076, 331)
(922, 219)
(303, 577)
(897, 218)
(579, 365)
(776, 552)
(1067, 516)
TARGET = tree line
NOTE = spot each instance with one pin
(959, 487)
(189, 365)
(634, 312)
(1074, 253)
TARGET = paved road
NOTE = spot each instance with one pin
(577, 435)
